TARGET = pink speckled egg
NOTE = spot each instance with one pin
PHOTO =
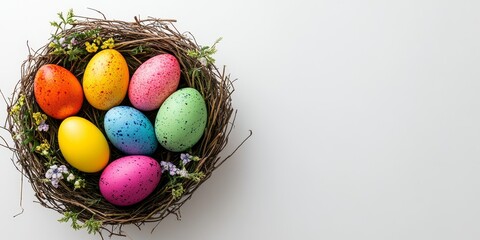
(129, 180)
(153, 81)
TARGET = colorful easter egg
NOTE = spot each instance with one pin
(129, 180)
(83, 145)
(181, 120)
(105, 81)
(57, 91)
(154, 81)
(130, 131)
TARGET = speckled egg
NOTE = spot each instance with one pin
(130, 131)
(181, 120)
(57, 91)
(154, 81)
(129, 180)
(105, 81)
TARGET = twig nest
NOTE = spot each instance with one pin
(119, 122)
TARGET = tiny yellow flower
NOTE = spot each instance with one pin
(91, 48)
(98, 40)
(15, 109)
(110, 43)
(39, 118)
(21, 100)
(43, 148)
(51, 45)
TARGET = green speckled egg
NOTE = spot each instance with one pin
(181, 120)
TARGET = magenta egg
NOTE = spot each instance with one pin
(153, 81)
(129, 180)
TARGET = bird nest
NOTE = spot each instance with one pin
(35, 136)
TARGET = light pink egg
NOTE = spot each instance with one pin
(153, 81)
(129, 180)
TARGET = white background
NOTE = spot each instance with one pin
(365, 117)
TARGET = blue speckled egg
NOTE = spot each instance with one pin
(181, 120)
(130, 131)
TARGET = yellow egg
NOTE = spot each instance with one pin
(83, 145)
(105, 81)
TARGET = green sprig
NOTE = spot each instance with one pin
(205, 53)
(92, 225)
(138, 50)
(79, 183)
(67, 216)
(177, 191)
(73, 44)
(64, 21)
(196, 176)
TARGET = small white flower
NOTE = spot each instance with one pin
(203, 61)
(182, 173)
(71, 177)
(62, 42)
(78, 184)
(18, 137)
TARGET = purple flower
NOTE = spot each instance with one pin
(168, 166)
(55, 182)
(174, 170)
(186, 158)
(43, 127)
(74, 41)
(63, 169)
(55, 174)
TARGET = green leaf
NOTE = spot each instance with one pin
(60, 15)
(196, 176)
(205, 53)
(92, 225)
(94, 201)
(73, 217)
(177, 191)
(192, 53)
(55, 24)
(218, 40)
(137, 50)
(70, 17)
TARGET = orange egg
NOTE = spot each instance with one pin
(57, 91)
